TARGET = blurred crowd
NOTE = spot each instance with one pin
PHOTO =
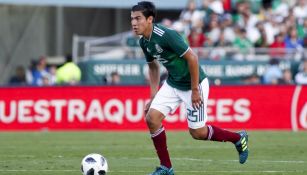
(280, 25)
(39, 73)
(237, 29)
(276, 27)
(274, 75)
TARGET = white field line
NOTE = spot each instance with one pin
(210, 160)
(20, 156)
(128, 171)
(204, 146)
(175, 158)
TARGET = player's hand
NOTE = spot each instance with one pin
(196, 99)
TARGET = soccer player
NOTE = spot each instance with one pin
(186, 83)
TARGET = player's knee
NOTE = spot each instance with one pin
(149, 120)
(152, 120)
(198, 134)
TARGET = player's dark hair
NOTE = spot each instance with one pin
(147, 8)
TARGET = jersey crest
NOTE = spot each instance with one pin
(158, 48)
(148, 50)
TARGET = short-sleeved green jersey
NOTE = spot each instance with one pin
(168, 47)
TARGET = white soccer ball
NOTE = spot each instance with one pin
(94, 164)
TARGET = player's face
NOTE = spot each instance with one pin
(139, 23)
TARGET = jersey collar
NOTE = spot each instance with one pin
(150, 33)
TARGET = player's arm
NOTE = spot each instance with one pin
(153, 71)
(154, 77)
(192, 60)
(180, 47)
(154, 80)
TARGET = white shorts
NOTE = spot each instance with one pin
(168, 99)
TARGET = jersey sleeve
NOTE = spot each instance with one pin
(147, 56)
(176, 43)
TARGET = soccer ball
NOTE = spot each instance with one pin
(94, 164)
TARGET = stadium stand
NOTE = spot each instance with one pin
(239, 31)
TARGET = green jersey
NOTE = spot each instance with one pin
(168, 47)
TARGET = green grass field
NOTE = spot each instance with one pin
(60, 153)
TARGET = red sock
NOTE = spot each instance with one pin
(221, 135)
(159, 140)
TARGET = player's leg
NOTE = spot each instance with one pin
(154, 120)
(197, 119)
(199, 130)
(213, 133)
(164, 102)
(154, 123)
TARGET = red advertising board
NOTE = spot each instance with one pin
(121, 108)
